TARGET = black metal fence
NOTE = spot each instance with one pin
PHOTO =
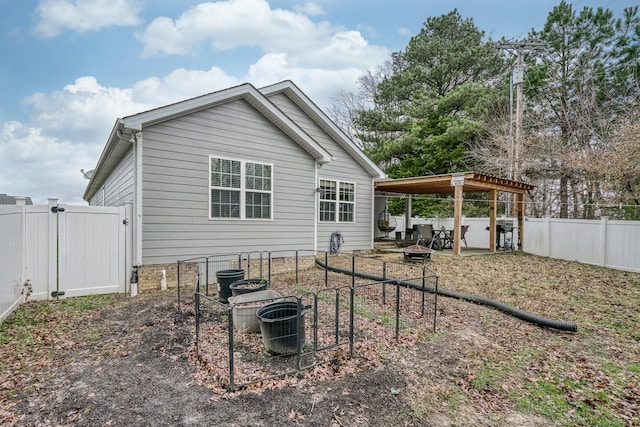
(319, 308)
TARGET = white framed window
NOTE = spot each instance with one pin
(240, 189)
(337, 201)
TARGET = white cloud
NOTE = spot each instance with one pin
(318, 83)
(39, 166)
(181, 84)
(293, 45)
(403, 31)
(232, 23)
(82, 110)
(311, 9)
(55, 16)
(343, 50)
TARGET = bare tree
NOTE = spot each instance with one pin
(345, 106)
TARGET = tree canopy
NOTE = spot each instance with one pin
(428, 107)
(442, 105)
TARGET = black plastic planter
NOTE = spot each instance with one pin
(278, 323)
(225, 279)
(240, 287)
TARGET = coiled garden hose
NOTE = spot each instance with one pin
(520, 314)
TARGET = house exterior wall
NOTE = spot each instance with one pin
(175, 185)
(357, 235)
(118, 188)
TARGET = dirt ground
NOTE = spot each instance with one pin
(129, 362)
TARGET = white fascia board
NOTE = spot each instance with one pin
(181, 108)
(306, 104)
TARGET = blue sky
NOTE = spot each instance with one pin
(69, 68)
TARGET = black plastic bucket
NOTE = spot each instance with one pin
(225, 279)
(246, 286)
(278, 322)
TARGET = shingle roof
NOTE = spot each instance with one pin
(11, 200)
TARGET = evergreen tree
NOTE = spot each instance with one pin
(430, 105)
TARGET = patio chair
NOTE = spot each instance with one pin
(426, 235)
(463, 232)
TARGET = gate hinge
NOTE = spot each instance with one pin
(56, 294)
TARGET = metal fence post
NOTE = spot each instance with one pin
(353, 271)
(337, 311)
(231, 359)
(178, 282)
(351, 319)
(326, 269)
(196, 301)
(384, 283)
(297, 333)
(435, 306)
(423, 287)
(206, 269)
(397, 310)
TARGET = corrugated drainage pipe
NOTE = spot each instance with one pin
(520, 314)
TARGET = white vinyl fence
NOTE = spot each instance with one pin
(11, 258)
(59, 251)
(609, 243)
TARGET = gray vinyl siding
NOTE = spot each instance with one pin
(175, 185)
(118, 188)
(344, 167)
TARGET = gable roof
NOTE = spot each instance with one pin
(294, 93)
(119, 142)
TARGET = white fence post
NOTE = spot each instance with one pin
(604, 223)
(547, 237)
(22, 202)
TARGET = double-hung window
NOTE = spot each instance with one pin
(240, 189)
(337, 201)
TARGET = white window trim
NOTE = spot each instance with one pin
(337, 201)
(243, 189)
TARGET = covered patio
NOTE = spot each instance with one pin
(458, 184)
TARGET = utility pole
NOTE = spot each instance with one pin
(517, 80)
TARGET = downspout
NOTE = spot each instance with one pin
(316, 185)
(136, 140)
(372, 213)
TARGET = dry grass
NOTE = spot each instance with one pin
(485, 367)
(591, 377)
(481, 367)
